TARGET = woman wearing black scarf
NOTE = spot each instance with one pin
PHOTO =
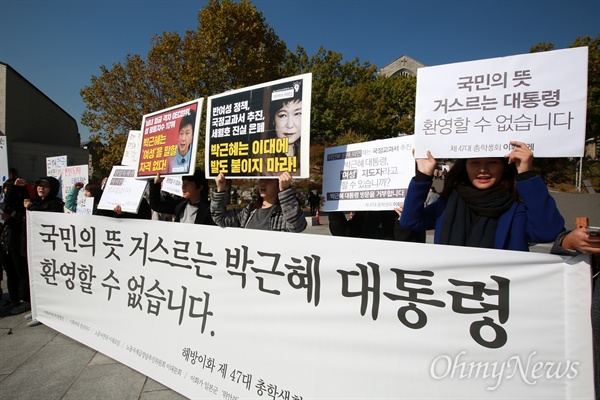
(486, 202)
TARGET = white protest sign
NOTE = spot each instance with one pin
(3, 159)
(122, 189)
(55, 165)
(54, 168)
(219, 313)
(69, 176)
(474, 109)
(172, 184)
(132, 148)
(368, 176)
(86, 207)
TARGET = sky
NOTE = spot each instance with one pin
(58, 45)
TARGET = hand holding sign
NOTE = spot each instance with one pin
(221, 182)
(521, 156)
(426, 165)
(285, 180)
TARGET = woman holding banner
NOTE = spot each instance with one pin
(276, 209)
(486, 202)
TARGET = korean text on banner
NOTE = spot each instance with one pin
(474, 109)
(368, 176)
(263, 130)
(216, 313)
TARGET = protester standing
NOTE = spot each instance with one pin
(276, 209)
(193, 208)
(486, 202)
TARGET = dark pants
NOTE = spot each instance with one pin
(17, 275)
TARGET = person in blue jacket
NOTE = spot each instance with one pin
(495, 203)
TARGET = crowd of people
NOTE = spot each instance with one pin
(497, 203)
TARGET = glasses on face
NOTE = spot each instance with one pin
(44, 186)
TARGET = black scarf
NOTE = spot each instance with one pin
(471, 216)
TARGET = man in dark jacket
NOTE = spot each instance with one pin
(194, 208)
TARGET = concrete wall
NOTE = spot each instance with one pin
(35, 127)
(30, 158)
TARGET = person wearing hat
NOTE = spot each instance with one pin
(193, 208)
(46, 199)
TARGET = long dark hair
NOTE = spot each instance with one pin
(95, 190)
(457, 175)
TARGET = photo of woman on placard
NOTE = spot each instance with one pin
(285, 114)
(285, 121)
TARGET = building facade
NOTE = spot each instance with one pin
(403, 65)
(34, 127)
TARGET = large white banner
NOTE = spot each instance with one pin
(368, 176)
(474, 109)
(221, 313)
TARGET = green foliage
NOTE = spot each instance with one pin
(349, 137)
(593, 99)
(560, 173)
(351, 103)
(593, 95)
(211, 60)
(331, 111)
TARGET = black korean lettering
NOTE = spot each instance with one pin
(237, 261)
(272, 271)
(202, 261)
(305, 275)
(155, 296)
(111, 282)
(113, 240)
(415, 290)
(136, 287)
(476, 296)
(365, 287)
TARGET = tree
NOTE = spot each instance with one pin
(593, 96)
(561, 172)
(213, 59)
(383, 108)
(332, 79)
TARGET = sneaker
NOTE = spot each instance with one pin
(34, 323)
(20, 309)
(28, 316)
